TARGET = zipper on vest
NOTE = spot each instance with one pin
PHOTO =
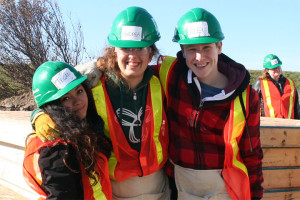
(201, 104)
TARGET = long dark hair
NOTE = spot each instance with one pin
(86, 135)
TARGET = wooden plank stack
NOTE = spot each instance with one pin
(280, 140)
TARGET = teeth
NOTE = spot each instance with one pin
(200, 65)
(133, 64)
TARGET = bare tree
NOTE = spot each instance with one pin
(33, 31)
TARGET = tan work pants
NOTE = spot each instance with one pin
(200, 184)
(152, 187)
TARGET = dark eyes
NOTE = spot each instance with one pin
(205, 48)
(80, 91)
(64, 99)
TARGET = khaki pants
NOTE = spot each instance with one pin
(200, 184)
(152, 187)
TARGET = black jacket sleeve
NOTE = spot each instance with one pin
(297, 106)
(257, 88)
(58, 180)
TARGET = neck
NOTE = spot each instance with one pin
(133, 82)
(218, 81)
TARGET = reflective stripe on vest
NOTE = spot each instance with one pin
(113, 128)
(31, 170)
(235, 172)
(165, 67)
(268, 98)
(277, 105)
(96, 192)
(291, 106)
(156, 99)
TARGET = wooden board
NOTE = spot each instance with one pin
(280, 137)
(266, 121)
(281, 157)
(281, 178)
(280, 140)
(288, 195)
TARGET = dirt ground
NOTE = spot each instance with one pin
(24, 102)
(8, 194)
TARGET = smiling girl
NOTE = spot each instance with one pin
(75, 165)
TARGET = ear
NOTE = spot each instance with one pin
(182, 49)
(219, 47)
(115, 54)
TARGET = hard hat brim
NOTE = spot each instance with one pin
(272, 66)
(65, 90)
(130, 44)
(198, 40)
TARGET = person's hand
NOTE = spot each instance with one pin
(44, 127)
(93, 73)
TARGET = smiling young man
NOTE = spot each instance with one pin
(278, 94)
(213, 116)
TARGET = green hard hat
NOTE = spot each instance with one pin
(133, 28)
(53, 80)
(271, 61)
(198, 26)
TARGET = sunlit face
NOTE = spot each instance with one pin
(133, 61)
(275, 73)
(76, 101)
(202, 59)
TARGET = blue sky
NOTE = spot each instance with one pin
(252, 28)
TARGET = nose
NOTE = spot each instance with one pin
(77, 102)
(277, 71)
(131, 52)
(198, 56)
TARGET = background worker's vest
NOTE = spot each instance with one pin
(126, 162)
(275, 105)
(234, 173)
(32, 173)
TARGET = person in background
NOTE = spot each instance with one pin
(73, 166)
(130, 100)
(213, 113)
(278, 94)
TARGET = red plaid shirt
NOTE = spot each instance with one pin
(196, 131)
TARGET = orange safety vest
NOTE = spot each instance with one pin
(126, 162)
(32, 173)
(275, 105)
(234, 172)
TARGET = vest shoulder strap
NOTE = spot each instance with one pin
(164, 70)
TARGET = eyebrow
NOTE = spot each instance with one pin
(77, 86)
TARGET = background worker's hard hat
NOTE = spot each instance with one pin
(271, 61)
